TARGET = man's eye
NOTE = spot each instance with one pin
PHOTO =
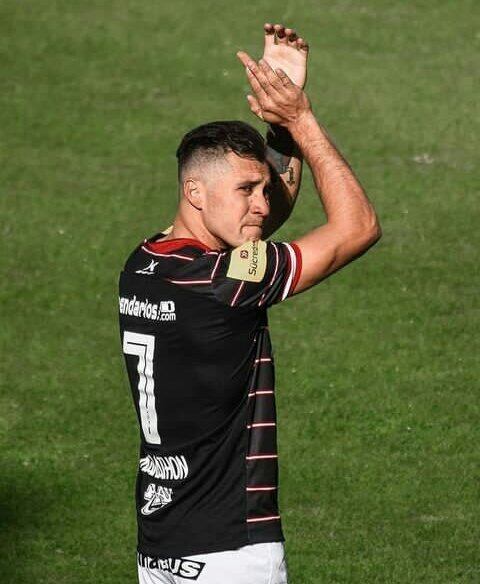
(247, 188)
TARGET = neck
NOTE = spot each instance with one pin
(190, 227)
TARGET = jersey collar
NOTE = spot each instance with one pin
(173, 244)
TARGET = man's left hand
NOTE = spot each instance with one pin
(285, 50)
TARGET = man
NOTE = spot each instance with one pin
(194, 328)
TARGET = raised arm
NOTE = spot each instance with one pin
(352, 226)
(284, 49)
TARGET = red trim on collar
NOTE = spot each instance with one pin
(174, 244)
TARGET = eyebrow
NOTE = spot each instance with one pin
(253, 183)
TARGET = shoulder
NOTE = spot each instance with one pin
(256, 273)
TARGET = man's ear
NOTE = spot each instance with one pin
(194, 191)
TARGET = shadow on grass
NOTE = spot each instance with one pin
(25, 502)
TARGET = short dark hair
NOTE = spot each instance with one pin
(215, 139)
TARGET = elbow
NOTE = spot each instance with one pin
(369, 226)
(374, 232)
(360, 234)
(369, 232)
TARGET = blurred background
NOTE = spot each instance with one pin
(377, 367)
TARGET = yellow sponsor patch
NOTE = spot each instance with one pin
(248, 261)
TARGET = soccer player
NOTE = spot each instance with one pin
(194, 329)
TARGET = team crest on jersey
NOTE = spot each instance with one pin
(156, 497)
(248, 261)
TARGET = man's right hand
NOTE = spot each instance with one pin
(277, 99)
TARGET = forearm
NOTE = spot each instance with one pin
(342, 196)
(286, 158)
(286, 162)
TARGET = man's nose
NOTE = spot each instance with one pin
(260, 204)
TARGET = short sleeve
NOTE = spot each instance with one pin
(257, 273)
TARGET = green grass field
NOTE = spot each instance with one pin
(377, 368)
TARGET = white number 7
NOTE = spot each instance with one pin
(143, 347)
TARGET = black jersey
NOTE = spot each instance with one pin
(194, 332)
